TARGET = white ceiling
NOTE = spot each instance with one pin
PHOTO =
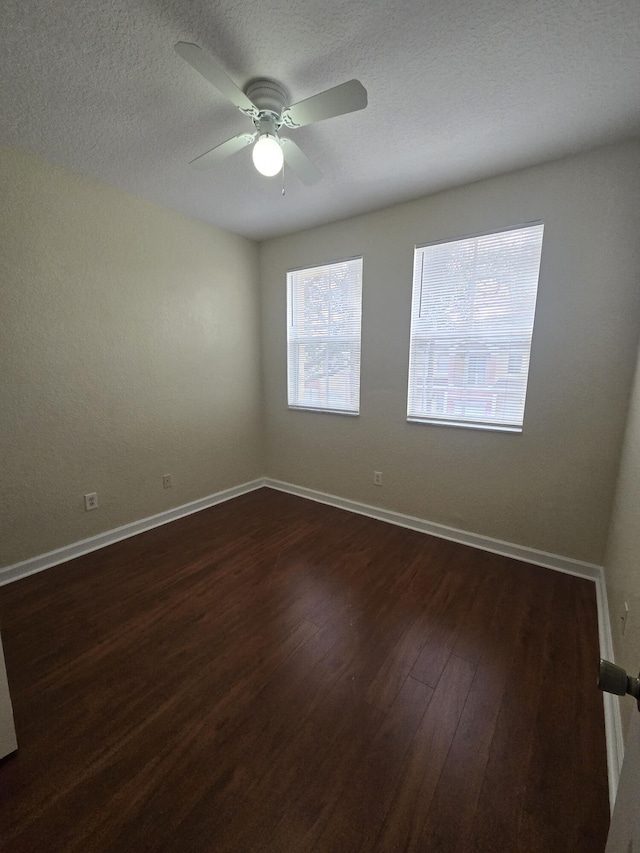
(458, 90)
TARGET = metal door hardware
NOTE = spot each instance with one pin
(614, 679)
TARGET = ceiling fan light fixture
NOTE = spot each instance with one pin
(267, 155)
(265, 103)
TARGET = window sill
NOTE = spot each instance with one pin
(324, 411)
(466, 424)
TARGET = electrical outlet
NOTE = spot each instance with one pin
(91, 501)
(624, 617)
(166, 481)
(377, 478)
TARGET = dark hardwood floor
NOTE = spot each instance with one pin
(276, 675)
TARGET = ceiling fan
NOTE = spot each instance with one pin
(265, 102)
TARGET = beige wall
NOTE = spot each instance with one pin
(129, 349)
(549, 488)
(622, 561)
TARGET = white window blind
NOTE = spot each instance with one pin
(324, 313)
(472, 317)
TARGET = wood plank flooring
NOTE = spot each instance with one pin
(276, 675)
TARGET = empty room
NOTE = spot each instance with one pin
(320, 426)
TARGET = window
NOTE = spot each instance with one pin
(515, 362)
(472, 316)
(476, 369)
(324, 311)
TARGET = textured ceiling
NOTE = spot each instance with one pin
(458, 90)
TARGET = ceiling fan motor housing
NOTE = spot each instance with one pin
(269, 97)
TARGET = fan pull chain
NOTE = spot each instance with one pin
(283, 179)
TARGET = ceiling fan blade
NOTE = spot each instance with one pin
(206, 65)
(299, 163)
(222, 151)
(345, 98)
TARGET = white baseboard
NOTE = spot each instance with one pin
(476, 540)
(101, 540)
(591, 571)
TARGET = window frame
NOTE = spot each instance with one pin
(416, 295)
(357, 339)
